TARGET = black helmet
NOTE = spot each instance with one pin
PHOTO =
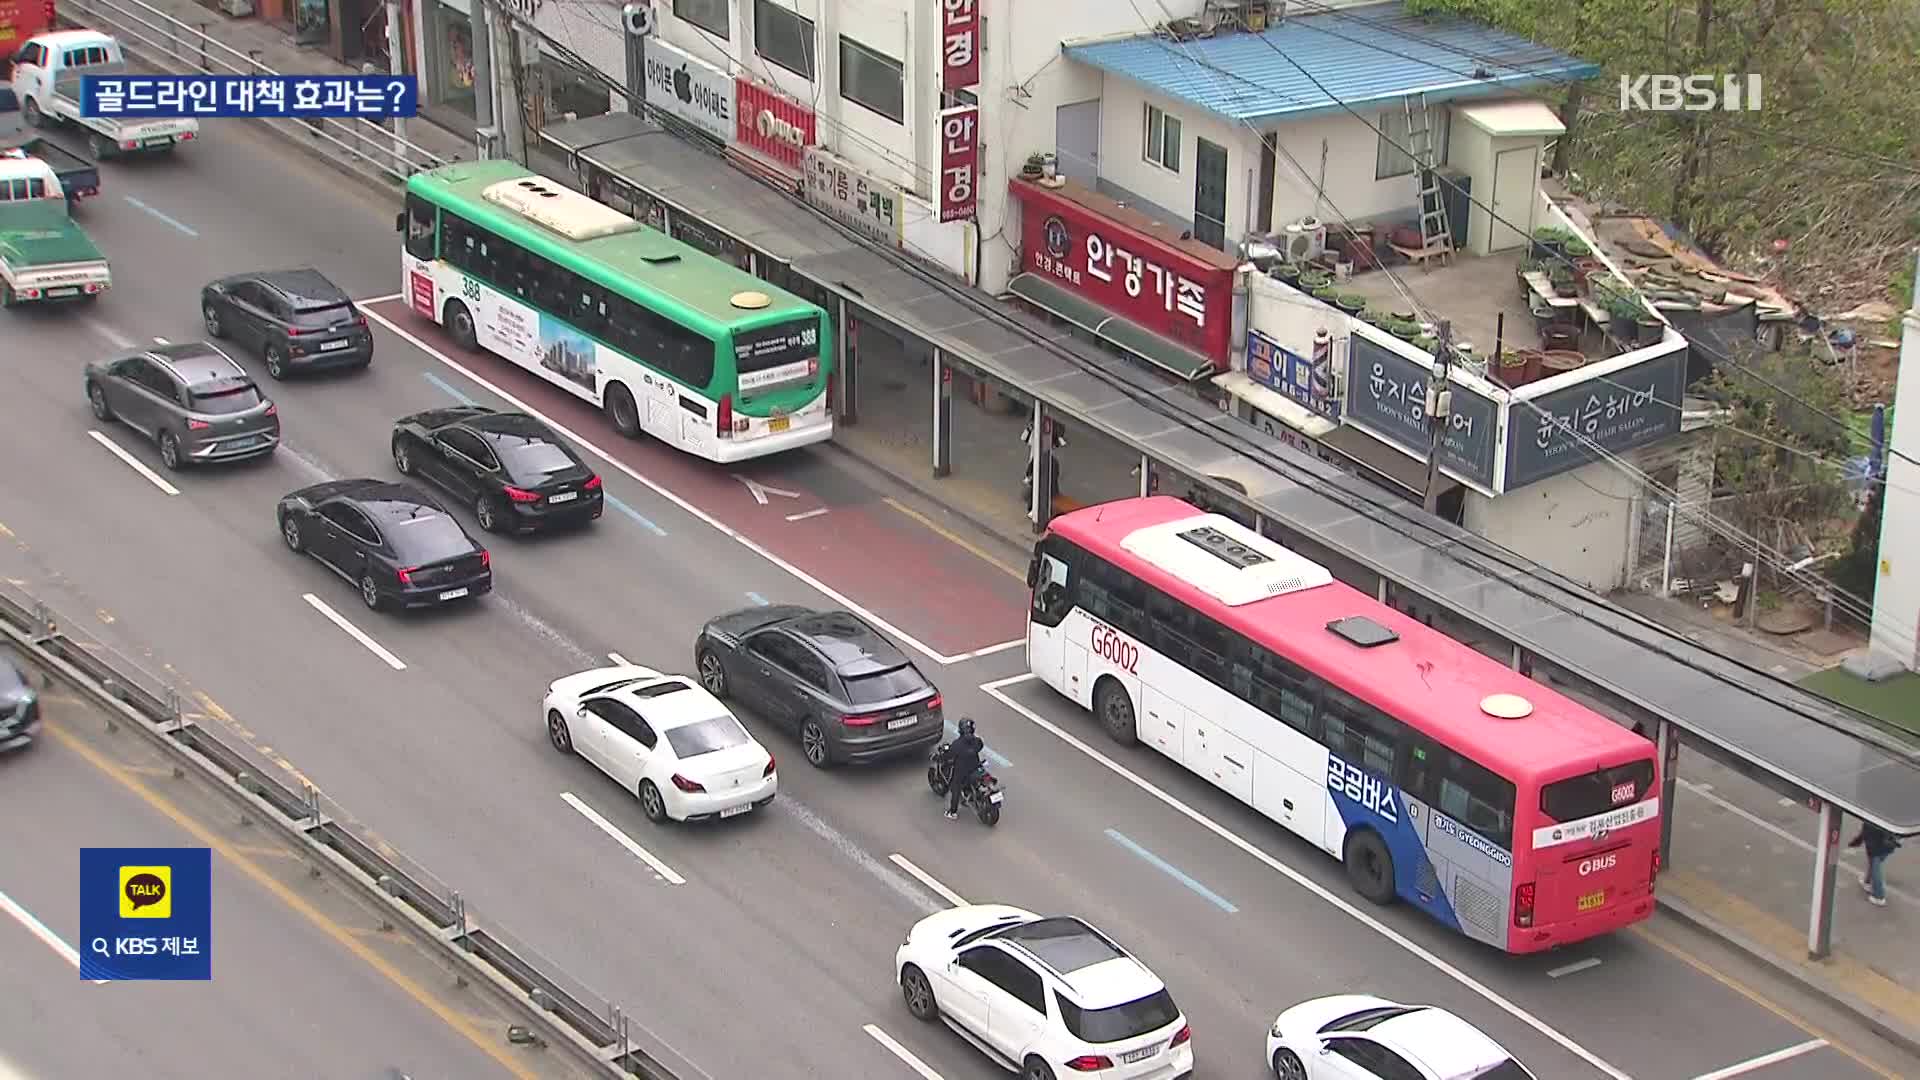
(966, 725)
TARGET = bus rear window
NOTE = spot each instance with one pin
(1597, 792)
(773, 355)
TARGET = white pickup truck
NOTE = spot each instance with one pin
(46, 79)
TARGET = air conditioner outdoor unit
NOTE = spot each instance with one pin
(1304, 241)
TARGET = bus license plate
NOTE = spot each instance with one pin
(564, 496)
(330, 346)
(903, 722)
(778, 423)
(1593, 900)
(453, 594)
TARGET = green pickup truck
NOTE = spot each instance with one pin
(45, 256)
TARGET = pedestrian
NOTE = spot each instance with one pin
(1879, 844)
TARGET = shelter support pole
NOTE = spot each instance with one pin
(1667, 735)
(847, 353)
(942, 414)
(1826, 862)
(1146, 476)
(1040, 445)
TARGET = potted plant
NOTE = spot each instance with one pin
(1404, 329)
(1561, 275)
(1326, 293)
(1511, 368)
(1549, 243)
(1575, 248)
(1313, 280)
(1375, 318)
(1426, 343)
(1035, 167)
(1651, 329)
(1286, 271)
(1351, 303)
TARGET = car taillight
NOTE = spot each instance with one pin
(198, 425)
(1523, 905)
(129, 145)
(768, 771)
(1185, 1033)
(1656, 866)
(186, 136)
(359, 320)
(691, 787)
(521, 496)
(272, 409)
(486, 558)
(1090, 1063)
(592, 484)
(934, 704)
(723, 417)
(860, 721)
(294, 331)
(406, 574)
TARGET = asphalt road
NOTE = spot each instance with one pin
(285, 989)
(774, 954)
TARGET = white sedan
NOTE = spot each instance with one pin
(1361, 1037)
(663, 738)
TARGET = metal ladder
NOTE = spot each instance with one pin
(1436, 236)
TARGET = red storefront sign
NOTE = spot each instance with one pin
(959, 44)
(1175, 294)
(772, 124)
(959, 162)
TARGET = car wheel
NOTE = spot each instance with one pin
(557, 732)
(917, 992)
(370, 593)
(169, 450)
(1370, 866)
(989, 814)
(651, 804)
(276, 362)
(402, 456)
(103, 147)
(459, 323)
(814, 744)
(486, 508)
(1288, 1066)
(622, 413)
(97, 397)
(1115, 710)
(212, 317)
(1035, 1069)
(290, 532)
(713, 674)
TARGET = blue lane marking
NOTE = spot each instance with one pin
(1172, 871)
(953, 732)
(448, 388)
(138, 205)
(635, 515)
(757, 598)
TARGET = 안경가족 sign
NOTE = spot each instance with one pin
(370, 97)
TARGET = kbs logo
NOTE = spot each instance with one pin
(1108, 645)
(1690, 93)
(1624, 793)
(1599, 863)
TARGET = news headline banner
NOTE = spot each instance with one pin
(369, 97)
(146, 913)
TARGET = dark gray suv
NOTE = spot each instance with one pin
(191, 399)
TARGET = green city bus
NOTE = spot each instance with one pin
(665, 339)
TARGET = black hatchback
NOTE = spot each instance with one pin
(849, 693)
(511, 468)
(394, 543)
(295, 320)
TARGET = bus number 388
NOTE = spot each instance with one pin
(1116, 650)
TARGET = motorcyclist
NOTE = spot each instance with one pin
(963, 754)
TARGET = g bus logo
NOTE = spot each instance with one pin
(1108, 645)
(1599, 863)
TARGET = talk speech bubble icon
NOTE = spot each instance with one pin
(144, 892)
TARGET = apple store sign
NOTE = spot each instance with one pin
(690, 90)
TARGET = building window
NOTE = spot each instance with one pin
(1392, 159)
(783, 37)
(953, 99)
(708, 15)
(1162, 143)
(873, 80)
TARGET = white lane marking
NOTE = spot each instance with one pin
(1430, 958)
(692, 511)
(926, 879)
(354, 632)
(159, 341)
(134, 463)
(975, 654)
(1574, 968)
(1761, 1062)
(387, 299)
(1705, 791)
(808, 514)
(45, 933)
(623, 839)
(618, 659)
(901, 1052)
(760, 491)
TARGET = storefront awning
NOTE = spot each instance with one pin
(1175, 359)
(1361, 451)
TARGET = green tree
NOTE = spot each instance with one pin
(1859, 569)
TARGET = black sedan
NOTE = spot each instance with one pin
(849, 693)
(295, 319)
(393, 542)
(516, 474)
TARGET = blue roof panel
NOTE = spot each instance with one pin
(1361, 55)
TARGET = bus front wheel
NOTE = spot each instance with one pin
(1111, 705)
(1370, 866)
(622, 412)
(460, 324)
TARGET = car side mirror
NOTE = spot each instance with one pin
(1033, 571)
(580, 714)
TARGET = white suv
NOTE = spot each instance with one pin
(1045, 997)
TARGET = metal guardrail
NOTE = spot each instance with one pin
(169, 43)
(598, 1034)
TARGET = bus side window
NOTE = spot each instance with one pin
(420, 217)
(1360, 733)
(1119, 599)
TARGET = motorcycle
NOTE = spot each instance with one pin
(983, 795)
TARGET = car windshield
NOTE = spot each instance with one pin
(321, 317)
(428, 538)
(527, 458)
(1121, 1022)
(12, 682)
(719, 733)
(225, 400)
(885, 685)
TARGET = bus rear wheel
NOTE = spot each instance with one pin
(460, 324)
(1370, 866)
(622, 413)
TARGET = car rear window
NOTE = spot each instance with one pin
(719, 733)
(321, 317)
(1506, 1070)
(226, 400)
(885, 685)
(530, 459)
(1121, 1022)
(1597, 792)
(428, 538)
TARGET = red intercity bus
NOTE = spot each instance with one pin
(20, 20)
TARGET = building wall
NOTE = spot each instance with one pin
(1896, 594)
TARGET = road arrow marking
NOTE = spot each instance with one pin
(760, 491)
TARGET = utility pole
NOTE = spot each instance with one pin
(397, 64)
(486, 136)
(512, 116)
(1439, 409)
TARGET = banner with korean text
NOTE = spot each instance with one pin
(176, 96)
(959, 162)
(146, 913)
(959, 44)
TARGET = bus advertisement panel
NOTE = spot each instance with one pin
(1440, 777)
